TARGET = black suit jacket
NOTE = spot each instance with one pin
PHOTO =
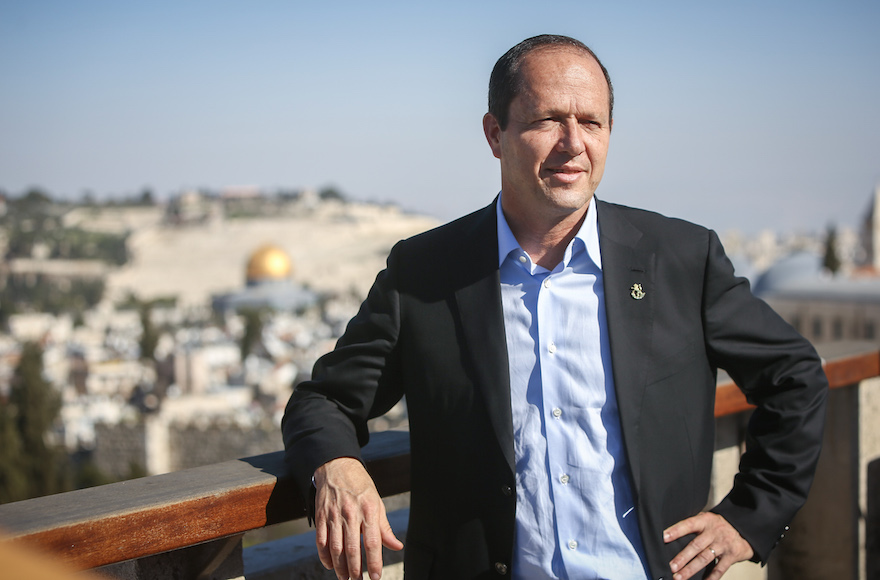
(432, 329)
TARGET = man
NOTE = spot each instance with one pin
(558, 356)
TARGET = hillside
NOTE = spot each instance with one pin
(334, 246)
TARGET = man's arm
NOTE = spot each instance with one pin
(780, 373)
(325, 425)
(347, 506)
(326, 417)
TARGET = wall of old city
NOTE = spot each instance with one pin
(196, 445)
(160, 447)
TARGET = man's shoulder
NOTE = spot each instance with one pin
(463, 231)
(650, 223)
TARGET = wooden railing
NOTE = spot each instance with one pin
(849, 364)
(143, 517)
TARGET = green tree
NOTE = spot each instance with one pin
(13, 479)
(331, 192)
(149, 333)
(35, 200)
(831, 261)
(36, 406)
(88, 474)
(253, 330)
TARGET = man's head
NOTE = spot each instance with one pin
(551, 130)
(505, 82)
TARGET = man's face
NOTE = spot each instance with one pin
(554, 147)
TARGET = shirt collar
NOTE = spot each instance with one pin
(588, 234)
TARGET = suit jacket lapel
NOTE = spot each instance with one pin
(624, 265)
(628, 273)
(478, 299)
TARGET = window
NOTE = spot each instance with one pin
(837, 328)
(817, 328)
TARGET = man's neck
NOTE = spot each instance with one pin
(545, 238)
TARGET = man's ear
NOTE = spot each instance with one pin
(492, 130)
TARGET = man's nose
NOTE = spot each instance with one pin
(571, 140)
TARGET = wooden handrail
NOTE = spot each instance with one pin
(122, 521)
(841, 371)
(112, 523)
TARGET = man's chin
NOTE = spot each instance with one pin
(568, 200)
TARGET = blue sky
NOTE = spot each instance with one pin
(744, 115)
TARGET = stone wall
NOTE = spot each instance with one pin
(118, 447)
(160, 447)
(192, 445)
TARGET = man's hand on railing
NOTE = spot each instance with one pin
(347, 505)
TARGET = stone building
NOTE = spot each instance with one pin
(824, 307)
(268, 285)
(871, 233)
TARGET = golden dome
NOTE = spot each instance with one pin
(268, 263)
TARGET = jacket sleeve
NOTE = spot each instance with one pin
(779, 372)
(326, 417)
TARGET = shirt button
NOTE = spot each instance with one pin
(501, 568)
(546, 282)
(523, 259)
(557, 412)
(564, 479)
(572, 545)
(552, 348)
(506, 490)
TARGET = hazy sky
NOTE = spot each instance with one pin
(748, 114)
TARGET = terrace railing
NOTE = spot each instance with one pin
(190, 523)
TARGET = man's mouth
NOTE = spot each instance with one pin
(566, 174)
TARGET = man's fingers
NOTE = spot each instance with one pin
(693, 558)
(716, 542)
(696, 555)
(691, 525)
(336, 545)
(377, 533)
(373, 549)
(322, 544)
(347, 507)
(352, 546)
(389, 540)
(330, 539)
(720, 568)
(699, 562)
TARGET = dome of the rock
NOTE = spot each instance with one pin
(269, 262)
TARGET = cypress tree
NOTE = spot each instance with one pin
(831, 261)
(36, 406)
(149, 334)
(253, 331)
(13, 479)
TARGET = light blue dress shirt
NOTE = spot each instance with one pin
(574, 514)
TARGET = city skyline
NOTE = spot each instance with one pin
(753, 116)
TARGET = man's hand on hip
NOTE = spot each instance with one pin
(716, 541)
(346, 506)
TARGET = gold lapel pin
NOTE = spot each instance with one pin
(637, 292)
